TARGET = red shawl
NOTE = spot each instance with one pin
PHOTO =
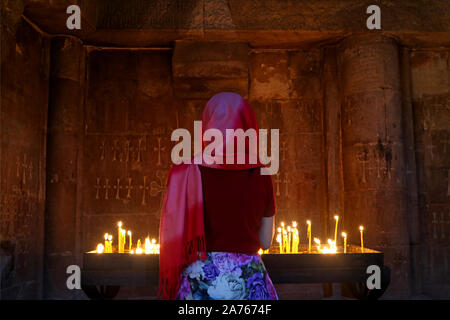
(182, 233)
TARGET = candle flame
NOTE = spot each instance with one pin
(110, 237)
(361, 228)
(336, 217)
(106, 236)
(260, 252)
(317, 241)
(100, 248)
(147, 245)
(308, 222)
(344, 234)
(129, 232)
(282, 224)
(119, 224)
(294, 224)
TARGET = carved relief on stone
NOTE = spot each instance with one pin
(440, 224)
(24, 175)
(375, 161)
(279, 181)
(122, 149)
(158, 186)
(128, 189)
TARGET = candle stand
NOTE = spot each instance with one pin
(103, 274)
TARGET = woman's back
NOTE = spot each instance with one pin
(235, 201)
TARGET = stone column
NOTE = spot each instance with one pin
(373, 153)
(64, 136)
(333, 150)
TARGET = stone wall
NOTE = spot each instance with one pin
(364, 127)
(23, 123)
(430, 70)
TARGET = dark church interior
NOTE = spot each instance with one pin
(87, 114)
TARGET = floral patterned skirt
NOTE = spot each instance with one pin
(227, 276)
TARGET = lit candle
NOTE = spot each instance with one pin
(295, 238)
(289, 239)
(260, 252)
(285, 241)
(106, 243)
(119, 236)
(110, 244)
(153, 246)
(280, 240)
(345, 241)
(361, 229)
(309, 235)
(138, 247)
(147, 246)
(123, 234)
(131, 242)
(336, 228)
(317, 241)
(100, 248)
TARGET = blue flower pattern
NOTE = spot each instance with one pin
(227, 276)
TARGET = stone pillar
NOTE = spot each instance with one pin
(373, 152)
(411, 174)
(430, 82)
(63, 151)
(333, 150)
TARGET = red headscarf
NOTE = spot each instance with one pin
(182, 233)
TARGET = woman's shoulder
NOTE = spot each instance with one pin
(182, 169)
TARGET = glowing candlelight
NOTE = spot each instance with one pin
(122, 242)
(147, 246)
(308, 222)
(100, 248)
(153, 246)
(110, 243)
(295, 238)
(138, 247)
(279, 242)
(331, 248)
(361, 229)
(317, 241)
(336, 228)
(131, 242)
(260, 252)
(106, 243)
(119, 236)
(345, 241)
(285, 241)
(289, 239)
